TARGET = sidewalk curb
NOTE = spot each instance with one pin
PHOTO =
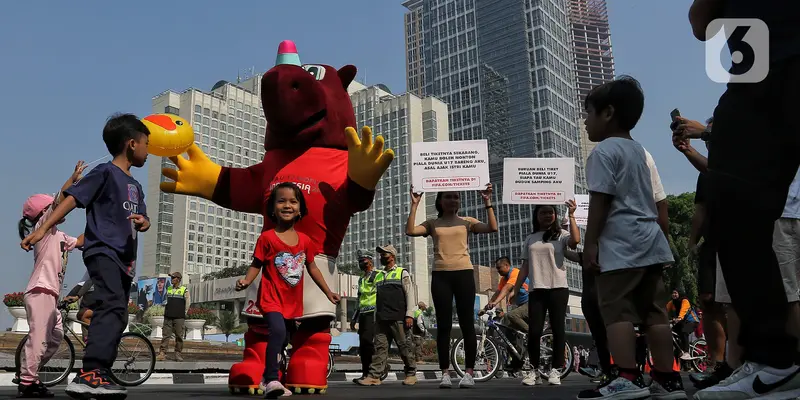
(222, 379)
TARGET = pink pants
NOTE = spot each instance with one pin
(45, 335)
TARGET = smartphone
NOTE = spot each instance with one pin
(673, 119)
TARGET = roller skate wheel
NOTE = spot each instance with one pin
(322, 391)
(298, 390)
(311, 390)
(232, 390)
(260, 392)
(251, 391)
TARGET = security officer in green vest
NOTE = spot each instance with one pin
(365, 312)
(174, 317)
(394, 317)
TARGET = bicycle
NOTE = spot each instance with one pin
(697, 351)
(502, 350)
(128, 371)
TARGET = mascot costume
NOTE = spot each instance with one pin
(310, 141)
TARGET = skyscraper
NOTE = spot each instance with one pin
(594, 60)
(193, 235)
(402, 119)
(505, 68)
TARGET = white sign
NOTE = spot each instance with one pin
(449, 166)
(582, 210)
(538, 180)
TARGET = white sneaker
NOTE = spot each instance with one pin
(466, 382)
(530, 378)
(274, 389)
(753, 380)
(686, 356)
(445, 383)
(554, 378)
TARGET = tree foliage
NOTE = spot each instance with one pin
(350, 269)
(229, 272)
(683, 274)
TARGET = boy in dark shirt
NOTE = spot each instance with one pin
(115, 213)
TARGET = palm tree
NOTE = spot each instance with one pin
(227, 323)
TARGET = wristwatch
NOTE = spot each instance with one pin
(706, 135)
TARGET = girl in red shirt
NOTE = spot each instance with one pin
(281, 254)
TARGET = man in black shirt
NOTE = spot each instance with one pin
(753, 160)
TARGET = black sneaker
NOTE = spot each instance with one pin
(34, 391)
(667, 387)
(705, 379)
(95, 384)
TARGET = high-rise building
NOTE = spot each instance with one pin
(402, 120)
(505, 68)
(594, 60)
(193, 235)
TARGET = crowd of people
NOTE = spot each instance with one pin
(748, 287)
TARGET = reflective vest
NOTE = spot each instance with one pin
(176, 303)
(391, 301)
(367, 293)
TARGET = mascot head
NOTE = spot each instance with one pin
(306, 105)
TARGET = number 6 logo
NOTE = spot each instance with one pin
(748, 42)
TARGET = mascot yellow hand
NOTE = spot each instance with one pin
(367, 161)
(196, 176)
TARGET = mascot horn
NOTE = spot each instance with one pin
(310, 141)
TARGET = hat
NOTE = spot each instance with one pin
(387, 249)
(35, 205)
(176, 275)
(361, 254)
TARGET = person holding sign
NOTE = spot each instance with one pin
(544, 263)
(452, 275)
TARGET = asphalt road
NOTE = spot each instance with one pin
(494, 389)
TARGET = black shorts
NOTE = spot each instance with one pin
(706, 270)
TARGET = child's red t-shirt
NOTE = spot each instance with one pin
(282, 270)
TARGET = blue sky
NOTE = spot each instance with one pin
(67, 65)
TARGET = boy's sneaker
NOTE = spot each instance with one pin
(685, 356)
(670, 388)
(702, 380)
(619, 389)
(753, 380)
(445, 383)
(532, 378)
(95, 384)
(554, 378)
(34, 391)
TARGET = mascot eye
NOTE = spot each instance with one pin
(179, 123)
(317, 71)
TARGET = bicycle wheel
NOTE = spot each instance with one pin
(57, 368)
(487, 361)
(546, 355)
(136, 360)
(700, 356)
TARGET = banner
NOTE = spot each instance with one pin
(152, 292)
(449, 166)
(538, 180)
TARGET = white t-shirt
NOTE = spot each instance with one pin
(632, 237)
(658, 188)
(546, 268)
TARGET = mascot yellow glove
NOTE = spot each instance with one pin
(196, 176)
(367, 160)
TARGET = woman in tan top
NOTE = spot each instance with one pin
(452, 272)
(543, 262)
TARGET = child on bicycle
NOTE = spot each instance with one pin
(115, 213)
(41, 295)
(281, 254)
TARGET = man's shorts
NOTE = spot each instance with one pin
(706, 269)
(786, 243)
(635, 295)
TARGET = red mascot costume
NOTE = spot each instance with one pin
(310, 141)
